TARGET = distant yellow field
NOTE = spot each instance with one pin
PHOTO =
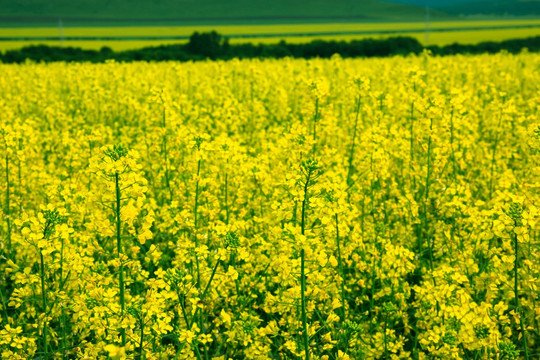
(435, 38)
(254, 29)
(489, 31)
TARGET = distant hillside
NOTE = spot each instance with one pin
(493, 7)
(209, 10)
(480, 7)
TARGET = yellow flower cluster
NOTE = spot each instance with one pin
(276, 209)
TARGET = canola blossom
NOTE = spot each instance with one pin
(271, 209)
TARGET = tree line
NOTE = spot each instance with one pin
(212, 45)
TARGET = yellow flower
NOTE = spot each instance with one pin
(116, 352)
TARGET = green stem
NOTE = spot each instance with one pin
(516, 295)
(163, 114)
(454, 165)
(493, 156)
(64, 342)
(8, 205)
(119, 250)
(362, 228)
(141, 349)
(302, 269)
(351, 153)
(295, 209)
(182, 301)
(4, 307)
(195, 217)
(315, 118)
(197, 353)
(19, 173)
(165, 152)
(167, 173)
(341, 273)
(385, 338)
(411, 152)
(44, 301)
(303, 299)
(426, 198)
(227, 198)
(196, 207)
(207, 288)
(372, 297)
(371, 193)
(198, 315)
(415, 347)
(304, 204)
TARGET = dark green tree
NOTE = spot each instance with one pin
(210, 44)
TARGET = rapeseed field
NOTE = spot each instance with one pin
(276, 209)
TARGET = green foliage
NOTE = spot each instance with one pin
(210, 44)
(214, 46)
(116, 152)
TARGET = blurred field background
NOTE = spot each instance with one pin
(123, 24)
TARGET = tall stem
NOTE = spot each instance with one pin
(303, 299)
(64, 342)
(44, 302)
(227, 198)
(141, 342)
(119, 250)
(516, 295)
(196, 218)
(8, 205)
(198, 315)
(207, 288)
(196, 206)
(302, 269)
(385, 338)
(315, 118)
(493, 159)
(411, 151)
(304, 204)
(4, 307)
(341, 273)
(454, 165)
(351, 154)
(426, 198)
